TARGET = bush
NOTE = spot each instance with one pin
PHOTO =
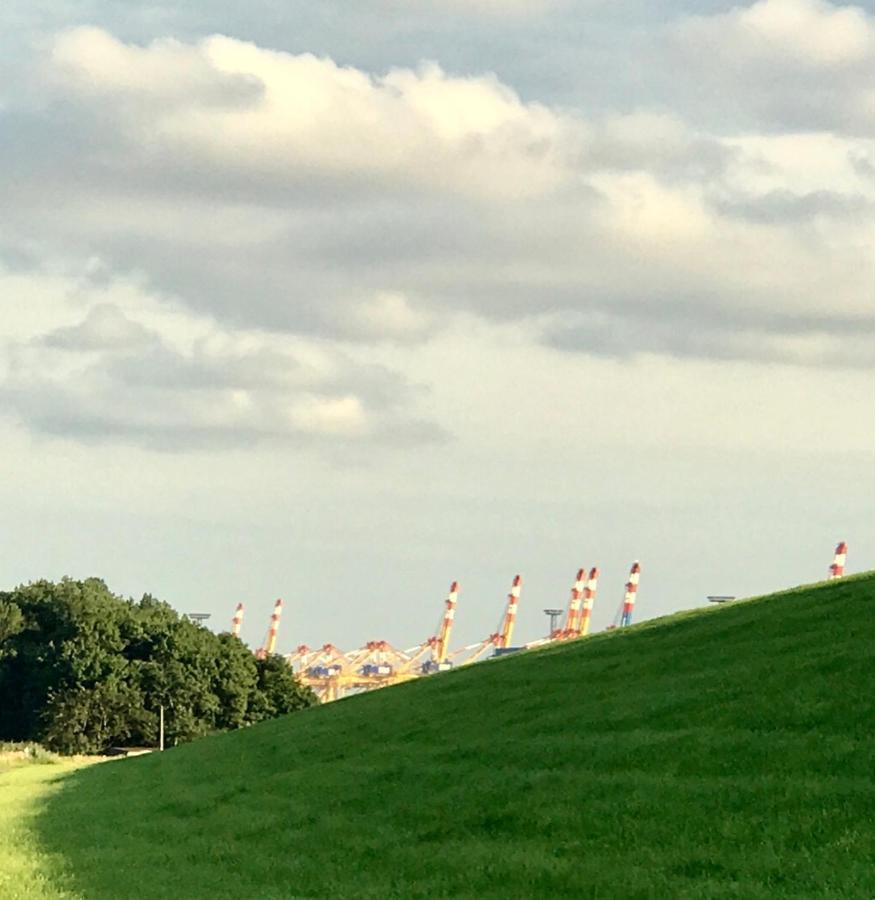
(16, 753)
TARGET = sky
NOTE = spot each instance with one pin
(340, 302)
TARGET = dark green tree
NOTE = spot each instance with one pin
(277, 691)
(90, 719)
(82, 669)
(11, 622)
(69, 636)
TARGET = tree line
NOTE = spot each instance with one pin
(82, 670)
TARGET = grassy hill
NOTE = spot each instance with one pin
(724, 753)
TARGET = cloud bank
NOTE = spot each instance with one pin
(315, 210)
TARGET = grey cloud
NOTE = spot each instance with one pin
(263, 372)
(658, 143)
(126, 383)
(843, 344)
(105, 327)
(511, 262)
(526, 9)
(862, 164)
(779, 207)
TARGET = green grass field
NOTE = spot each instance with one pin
(724, 753)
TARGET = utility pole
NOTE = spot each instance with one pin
(161, 728)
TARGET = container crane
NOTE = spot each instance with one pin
(589, 592)
(499, 640)
(326, 662)
(513, 600)
(572, 616)
(237, 621)
(440, 645)
(269, 645)
(332, 673)
(324, 670)
(443, 644)
(630, 596)
(837, 569)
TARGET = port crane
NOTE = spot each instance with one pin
(269, 645)
(333, 673)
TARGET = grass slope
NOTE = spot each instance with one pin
(726, 753)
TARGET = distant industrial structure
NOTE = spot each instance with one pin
(333, 673)
(837, 569)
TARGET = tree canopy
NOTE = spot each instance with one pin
(82, 669)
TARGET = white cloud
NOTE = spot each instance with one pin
(386, 315)
(90, 61)
(800, 64)
(291, 117)
(807, 33)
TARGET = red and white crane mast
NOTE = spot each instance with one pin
(270, 641)
(237, 621)
(837, 569)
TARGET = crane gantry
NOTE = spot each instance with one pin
(333, 673)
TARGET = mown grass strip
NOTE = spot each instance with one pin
(27, 870)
